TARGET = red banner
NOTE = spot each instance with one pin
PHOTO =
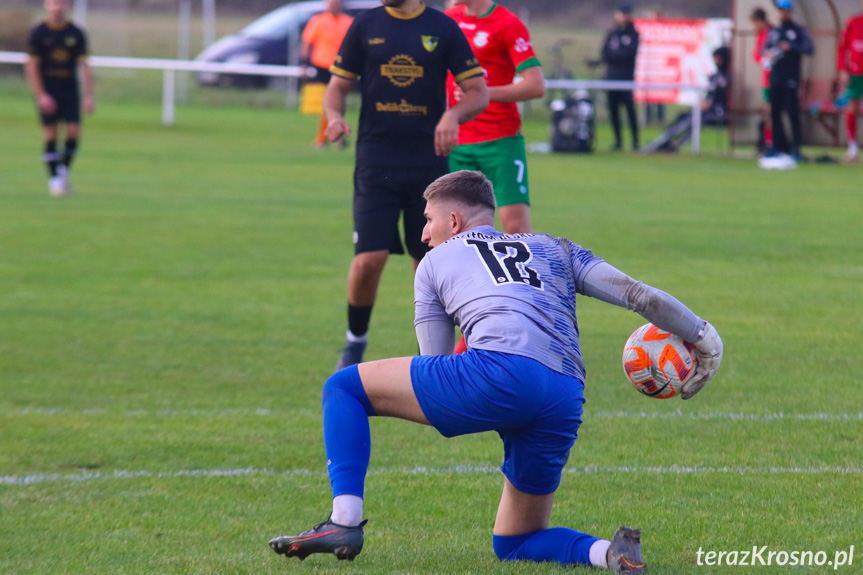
(676, 52)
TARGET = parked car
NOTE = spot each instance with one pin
(271, 39)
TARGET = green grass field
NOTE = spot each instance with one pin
(165, 333)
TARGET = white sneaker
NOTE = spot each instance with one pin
(779, 162)
(852, 155)
(63, 173)
(57, 186)
(787, 162)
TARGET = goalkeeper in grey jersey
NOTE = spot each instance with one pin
(514, 298)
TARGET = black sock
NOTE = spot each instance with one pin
(358, 319)
(69, 152)
(50, 157)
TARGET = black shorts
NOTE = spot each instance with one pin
(381, 194)
(68, 109)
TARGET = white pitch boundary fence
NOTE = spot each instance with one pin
(171, 67)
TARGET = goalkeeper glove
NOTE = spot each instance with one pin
(708, 352)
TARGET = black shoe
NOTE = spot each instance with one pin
(352, 354)
(616, 148)
(343, 542)
(624, 554)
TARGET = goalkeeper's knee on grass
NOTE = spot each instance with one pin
(557, 545)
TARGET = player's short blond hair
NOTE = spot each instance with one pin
(468, 187)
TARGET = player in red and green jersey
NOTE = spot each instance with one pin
(762, 31)
(492, 143)
(850, 65)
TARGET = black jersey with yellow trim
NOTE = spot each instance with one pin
(402, 63)
(58, 49)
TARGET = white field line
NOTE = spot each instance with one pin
(96, 411)
(265, 412)
(455, 470)
(734, 416)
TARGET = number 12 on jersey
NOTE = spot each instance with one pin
(506, 262)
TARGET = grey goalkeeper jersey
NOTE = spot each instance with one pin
(516, 294)
(508, 293)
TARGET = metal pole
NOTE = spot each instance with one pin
(183, 46)
(168, 98)
(696, 125)
(209, 16)
(293, 60)
(79, 14)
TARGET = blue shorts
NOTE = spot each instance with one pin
(535, 410)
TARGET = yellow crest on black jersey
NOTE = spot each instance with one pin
(430, 43)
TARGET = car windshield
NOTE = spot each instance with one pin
(275, 25)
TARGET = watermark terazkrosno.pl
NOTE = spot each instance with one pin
(758, 556)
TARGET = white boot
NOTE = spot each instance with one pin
(63, 173)
(56, 186)
(853, 152)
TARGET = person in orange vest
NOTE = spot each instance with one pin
(321, 40)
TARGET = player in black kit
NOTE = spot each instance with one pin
(402, 52)
(58, 49)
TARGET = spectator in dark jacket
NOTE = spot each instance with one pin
(715, 105)
(786, 44)
(618, 55)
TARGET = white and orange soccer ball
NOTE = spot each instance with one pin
(658, 363)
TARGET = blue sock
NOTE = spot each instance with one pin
(346, 431)
(558, 545)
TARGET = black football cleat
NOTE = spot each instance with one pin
(624, 554)
(328, 537)
(352, 354)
